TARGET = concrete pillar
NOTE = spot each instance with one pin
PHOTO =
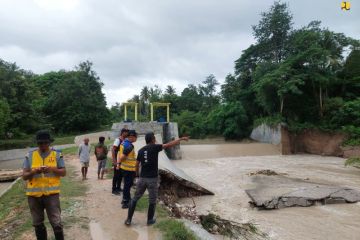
(168, 113)
(152, 111)
(125, 112)
(136, 111)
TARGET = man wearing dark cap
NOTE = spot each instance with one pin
(42, 169)
(116, 183)
(126, 161)
(148, 160)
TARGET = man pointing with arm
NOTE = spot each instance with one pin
(147, 159)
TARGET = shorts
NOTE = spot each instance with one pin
(84, 164)
(102, 164)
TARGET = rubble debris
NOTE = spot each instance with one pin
(216, 225)
(266, 172)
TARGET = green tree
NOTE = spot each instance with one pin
(273, 31)
(230, 120)
(4, 116)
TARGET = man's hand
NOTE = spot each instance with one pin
(36, 171)
(49, 169)
(117, 166)
(185, 138)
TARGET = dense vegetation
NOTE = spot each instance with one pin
(307, 78)
(296, 76)
(63, 101)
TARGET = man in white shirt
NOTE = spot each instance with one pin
(84, 155)
(116, 188)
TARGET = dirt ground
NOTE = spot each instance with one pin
(224, 169)
(105, 214)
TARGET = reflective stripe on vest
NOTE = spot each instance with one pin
(43, 183)
(129, 163)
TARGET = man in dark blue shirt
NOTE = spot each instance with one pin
(147, 158)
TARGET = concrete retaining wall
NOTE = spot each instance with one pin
(267, 134)
(307, 141)
(168, 131)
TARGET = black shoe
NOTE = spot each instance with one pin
(40, 232)
(130, 212)
(151, 212)
(125, 205)
(115, 193)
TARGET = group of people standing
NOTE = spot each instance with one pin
(44, 166)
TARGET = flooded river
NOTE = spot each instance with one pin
(224, 169)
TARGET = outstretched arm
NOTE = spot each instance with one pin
(175, 142)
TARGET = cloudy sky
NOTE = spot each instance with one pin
(133, 43)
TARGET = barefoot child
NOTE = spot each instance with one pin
(84, 155)
(101, 152)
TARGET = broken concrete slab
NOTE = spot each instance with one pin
(273, 192)
(174, 181)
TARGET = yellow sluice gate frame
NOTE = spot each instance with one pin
(157, 104)
(130, 104)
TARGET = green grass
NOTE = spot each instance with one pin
(64, 140)
(354, 161)
(15, 213)
(352, 142)
(174, 230)
(70, 150)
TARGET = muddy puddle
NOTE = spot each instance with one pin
(224, 169)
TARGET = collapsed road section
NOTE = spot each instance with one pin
(274, 192)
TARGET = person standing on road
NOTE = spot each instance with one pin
(126, 161)
(148, 160)
(116, 183)
(42, 169)
(101, 152)
(84, 155)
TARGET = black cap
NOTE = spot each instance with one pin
(43, 136)
(101, 139)
(132, 133)
(149, 137)
(124, 130)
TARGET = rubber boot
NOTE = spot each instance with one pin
(130, 212)
(59, 235)
(40, 232)
(151, 212)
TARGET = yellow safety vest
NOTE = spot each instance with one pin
(129, 162)
(43, 183)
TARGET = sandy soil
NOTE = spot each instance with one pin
(105, 213)
(224, 170)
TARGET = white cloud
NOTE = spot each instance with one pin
(147, 42)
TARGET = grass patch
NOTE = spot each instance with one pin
(70, 150)
(174, 230)
(64, 140)
(352, 142)
(353, 161)
(15, 214)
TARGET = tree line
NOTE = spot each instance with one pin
(307, 78)
(62, 101)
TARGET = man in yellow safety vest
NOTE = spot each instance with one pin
(42, 169)
(126, 161)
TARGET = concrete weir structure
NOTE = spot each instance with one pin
(167, 131)
(174, 181)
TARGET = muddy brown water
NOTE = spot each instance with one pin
(224, 170)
